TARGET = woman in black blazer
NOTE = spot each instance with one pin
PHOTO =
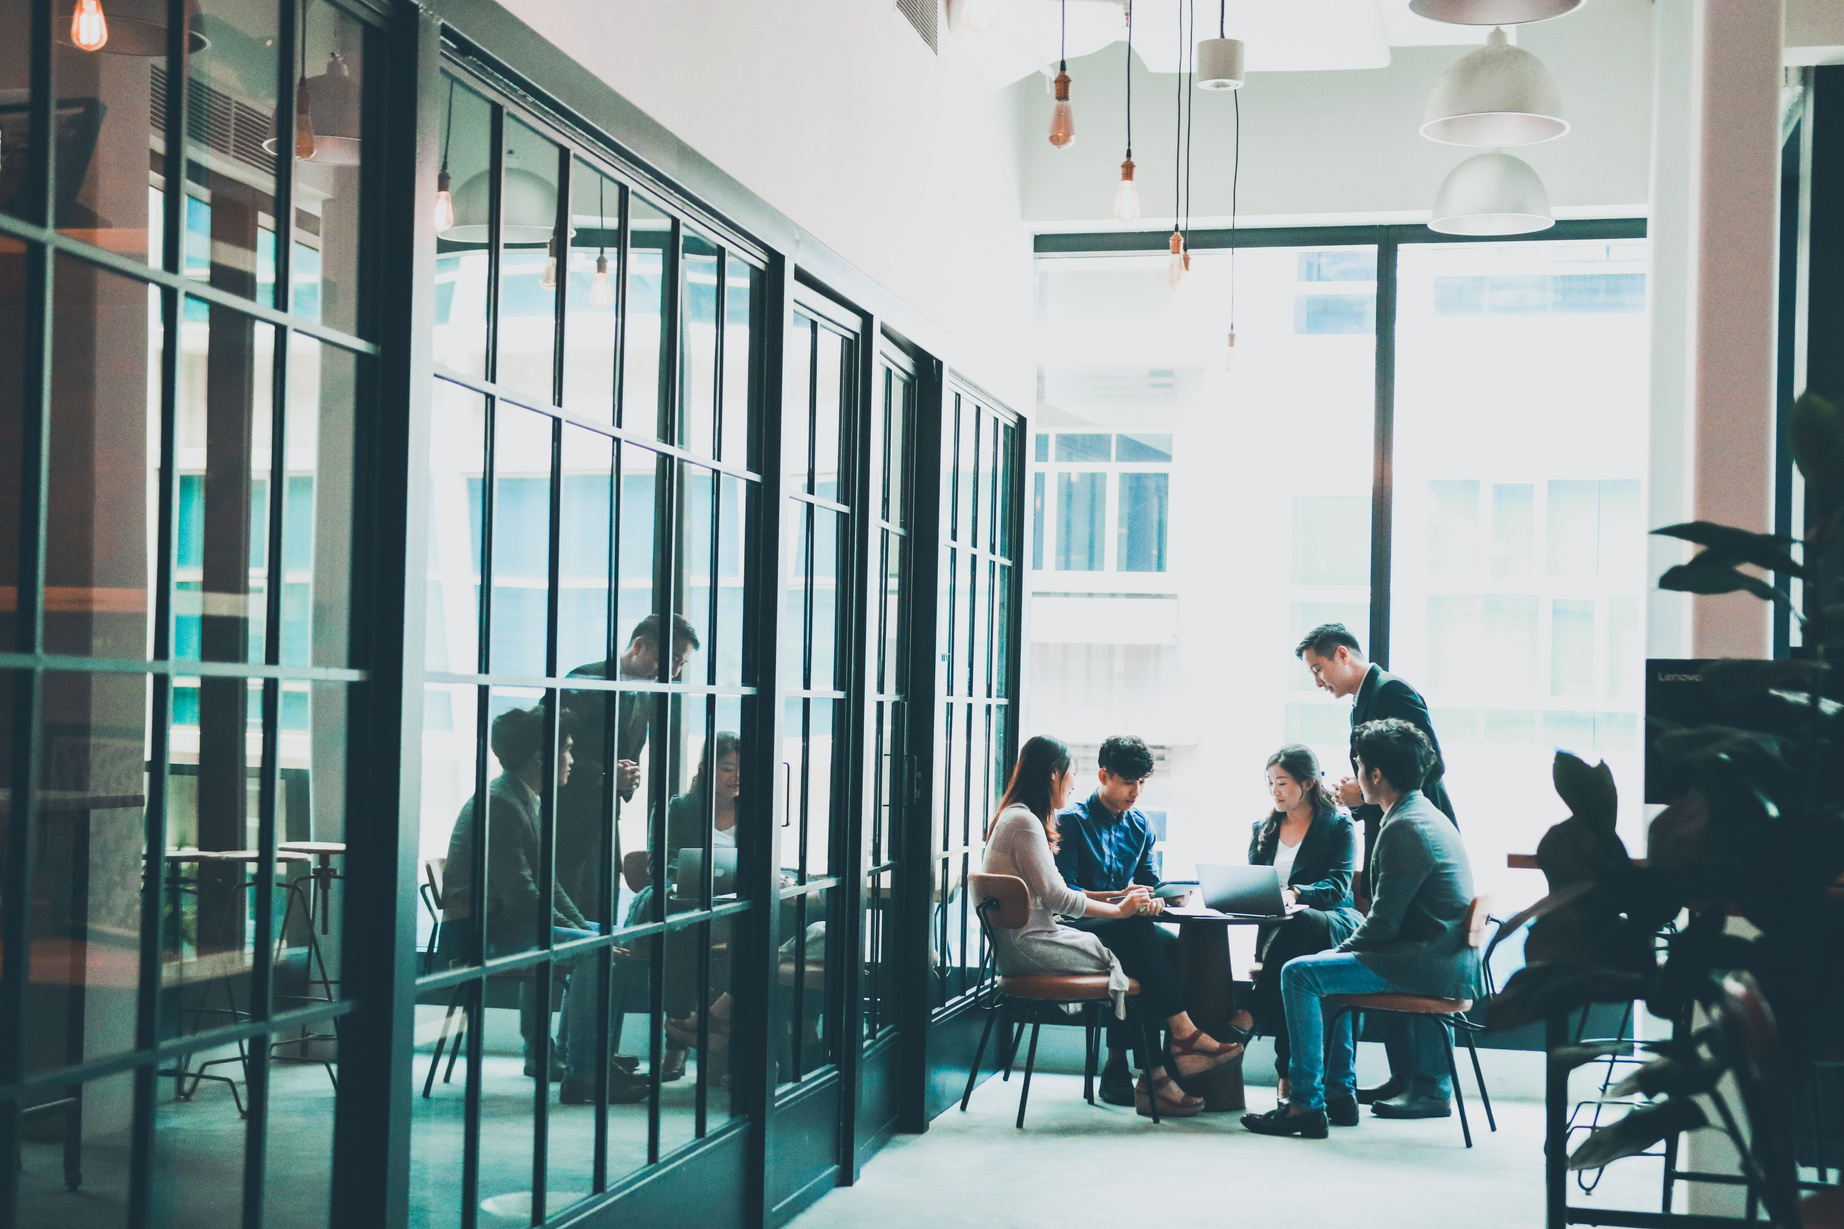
(1317, 845)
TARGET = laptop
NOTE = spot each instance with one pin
(1246, 891)
(689, 872)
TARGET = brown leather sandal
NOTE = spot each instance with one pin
(1185, 1106)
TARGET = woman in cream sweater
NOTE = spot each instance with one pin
(1022, 842)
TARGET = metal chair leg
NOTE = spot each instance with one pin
(1479, 1075)
(979, 1052)
(1151, 1052)
(441, 1041)
(1030, 1061)
(1014, 1038)
(1453, 1073)
(1088, 1054)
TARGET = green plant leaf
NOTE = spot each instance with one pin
(1817, 430)
(1638, 1131)
(1709, 579)
(1764, 550)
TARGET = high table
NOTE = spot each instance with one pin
(1203, 946)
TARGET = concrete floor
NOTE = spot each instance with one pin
(1074, 1164)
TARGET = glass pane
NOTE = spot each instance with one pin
(966, 432)
(817, 827)
(1115, 336)
(1001, 630)
(690, 863)
(1512, 544)
(642, 476)
(15, 121)
(231, 163)
(829, 387)
(643, 375)
(101, 1119)
(12, 426)
(508, 1095)
(591, 307)
(697, 429)
(316, 504)
(734, 510)
(742, 296)
(585, 533)
(310, 825)
(796, 422)
(517, 759)
(209, 880)
(87, 820)
(697, 526)
(529, 258)
(1144, 508)
(327, 181)
(221, 452)
(104, 464)
(682, 972)
(457, 525)
(298, 1181)
(828, 529)
(445, 923)
(462, 253)
(438, 1119)
(110, 125)
(521, 540)
(791, 652)
(586, 840)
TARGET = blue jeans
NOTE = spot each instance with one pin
(577, 1034)
(1319, 1069)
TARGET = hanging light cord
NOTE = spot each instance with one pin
(601, 217)
(1190, 77)
(1222, 10)
(1178, 129)
(1235, 182)
(1130, 80)
(448, 125)
(1062, 62)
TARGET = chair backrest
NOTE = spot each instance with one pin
(1478, 921)
(1001, 900)
(433, 870)
(634, 870)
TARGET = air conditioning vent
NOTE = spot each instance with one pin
(925, 16)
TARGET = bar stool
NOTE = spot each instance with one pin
(316, 907)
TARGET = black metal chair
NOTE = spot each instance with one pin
(1451, 1013)
(1004, 904)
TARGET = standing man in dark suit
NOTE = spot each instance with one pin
(1338, 664)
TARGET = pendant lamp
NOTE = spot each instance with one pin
(528, 212)
(326, 117)
(125, 27)
(1219, 59)
(1127, 196)
(1062, 115)
(1491, 194)
(1491, 12)
(1494, 96)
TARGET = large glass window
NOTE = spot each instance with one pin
(1193, 515)
(1518, 571)
(586, 780)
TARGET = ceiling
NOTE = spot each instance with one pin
(1280, 35)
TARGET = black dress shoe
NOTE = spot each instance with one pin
(1341, 1113)
(627, 1063)
(1408, 1106)
(623, 1089)
(1281, 1120)
(1381, 1092)
(531, 1070)
(1117, 1083)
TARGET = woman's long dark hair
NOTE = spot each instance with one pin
(1039, 760)
(1298, 761)
(718, 746)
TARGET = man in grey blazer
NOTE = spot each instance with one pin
(1413, 942)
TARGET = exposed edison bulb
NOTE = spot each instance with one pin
(601, 293)
(1062, 115)
(1178, 263)
(979, 15)
(1127, 200)
(304, 122)
(549, 280)
(1229, 354)
(89, 29)
(444, 204)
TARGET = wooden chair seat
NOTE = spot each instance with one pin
(1413, 1004)
(1070, 988)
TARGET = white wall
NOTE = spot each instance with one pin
(838, 115)
(1320, 144)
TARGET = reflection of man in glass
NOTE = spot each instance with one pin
(513, 856)
(580, 815)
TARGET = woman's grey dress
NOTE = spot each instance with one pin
(1019, 847)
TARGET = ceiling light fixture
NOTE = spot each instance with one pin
(1179, 263)
(1062, 115)
(978, 16)
(444, 199)
(1491, 194)
(1219, 59)
(89, 29)
(601, 293)
(1496, 95)
(1127, 198)
(1491, 12)
(1235, 182)
(130, 27)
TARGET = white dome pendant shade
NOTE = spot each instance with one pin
(1491, 12)
(528, 210)
(1497, 95)
(1491, 194)
(1219, 64)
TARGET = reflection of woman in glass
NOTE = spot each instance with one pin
(710, 801)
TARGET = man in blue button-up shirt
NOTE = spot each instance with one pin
(1107, 846)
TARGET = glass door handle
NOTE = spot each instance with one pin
(787, 794)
